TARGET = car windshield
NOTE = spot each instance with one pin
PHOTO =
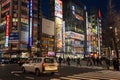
(49, 60)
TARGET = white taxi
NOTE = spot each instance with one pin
(41, 65)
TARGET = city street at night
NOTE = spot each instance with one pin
(59, 39)
(13, 72)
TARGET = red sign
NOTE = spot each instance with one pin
(7, 24)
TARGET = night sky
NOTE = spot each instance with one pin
(102, 5)
(98, 4)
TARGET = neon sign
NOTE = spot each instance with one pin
(31, 7)
(7, 29)
(58, 8)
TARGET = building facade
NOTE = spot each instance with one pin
(94, 32)
(18, 23)
(23, 28)
(73, 15)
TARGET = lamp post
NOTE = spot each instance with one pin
(115, 47)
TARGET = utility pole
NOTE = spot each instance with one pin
(112, 27)
(86, 27)
(39, 30)
(98, 31)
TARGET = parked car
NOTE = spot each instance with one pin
(5, 60)
(21, 61)
(41, 65)
(14, 60)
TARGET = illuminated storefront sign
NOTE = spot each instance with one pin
(94, 30)
(30, 37)
(74, 35)
(58, 24)
(23, 20)
(58, 8)
(7, 29)
(13, 36)
(3, 23)
(47, 26)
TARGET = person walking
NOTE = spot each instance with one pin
(78, 62)
(60, 60)
(89, 61)
(107, 61)
(114, 63)
(68, 61)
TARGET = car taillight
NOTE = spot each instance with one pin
(43, 66)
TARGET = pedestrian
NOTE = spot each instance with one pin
(97, 61)
(78, 62)
(107, 61)
(117, 65)
(89, 61)
(60, 60)
(68, 61)
(114, 63)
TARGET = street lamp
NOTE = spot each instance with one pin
(115, 46)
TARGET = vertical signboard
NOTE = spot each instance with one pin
(58, 8)
(63, 36)
(30, 36)
(7, 29)
(59, 25)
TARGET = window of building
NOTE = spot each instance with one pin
(15, 2)
(15, 15)
(15, 7)
(15, 20)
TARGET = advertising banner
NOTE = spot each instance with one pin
(74, 35)
(47, 26)
(59, 30)
(14, 36)
(7, 29)
(31, 22)
(58, 8)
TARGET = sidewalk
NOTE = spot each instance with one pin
(83, 64)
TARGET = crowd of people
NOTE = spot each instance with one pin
(69, 61)
(91, 61)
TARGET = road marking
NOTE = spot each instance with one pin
(98, 75)
(55, 79)
(16, 72)
(57, 73)
(2, 64)
(30, 77)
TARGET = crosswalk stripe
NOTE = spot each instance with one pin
(30, 77)
(16, 74)
(98, 75)
(54, 79)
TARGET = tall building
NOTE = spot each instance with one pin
(94, 32)
(27, 27)
(18, 25)
(73, 15)
(48, 28)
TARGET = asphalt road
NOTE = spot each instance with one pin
(13, 72)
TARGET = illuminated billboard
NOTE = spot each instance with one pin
(58, 8)
(14, 36)
(7, 29)
(47, 26)
(24, 34)
(31, 14)
(74, 35)
(59, 28)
